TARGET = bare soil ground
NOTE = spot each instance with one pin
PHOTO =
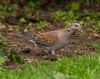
(80, 44)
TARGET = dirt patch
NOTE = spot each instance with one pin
(79, 44)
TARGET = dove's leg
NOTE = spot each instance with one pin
(53, 52)
(50, 52)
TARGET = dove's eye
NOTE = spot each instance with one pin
(76, 25)
(68, 30)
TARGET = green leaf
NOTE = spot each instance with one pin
(2, 38)
(14, 57)
(96, 45)
(74, 6)
(26, 30)
(59, 15)
(1, 52)
(23, 20)
(2, 60)
(19, 59)
(71, 15)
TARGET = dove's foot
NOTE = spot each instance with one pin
(53, 52)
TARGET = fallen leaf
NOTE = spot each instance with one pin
(97, 35)
(2, 26)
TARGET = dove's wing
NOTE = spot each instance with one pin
(47, 38)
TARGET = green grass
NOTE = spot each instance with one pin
(80, 67)
(43, 24)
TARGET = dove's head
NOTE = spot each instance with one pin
(72, 30)
(76, 26)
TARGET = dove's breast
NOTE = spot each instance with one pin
(62, 38)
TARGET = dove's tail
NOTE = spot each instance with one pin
(27, 35)
(24, 37)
